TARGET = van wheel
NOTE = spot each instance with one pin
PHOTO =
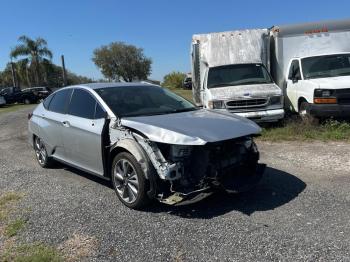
(129, 181)
(305, 116)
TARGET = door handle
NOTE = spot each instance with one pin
(66, 123)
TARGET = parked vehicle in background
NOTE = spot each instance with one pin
(187, 84)
(311, 63)
(150, 142)
(230, 73)
(15, 95)
(2, 101)
(40, 92)
(26, 96)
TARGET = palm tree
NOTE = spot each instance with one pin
(34, 51)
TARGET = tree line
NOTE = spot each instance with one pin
(31, 65)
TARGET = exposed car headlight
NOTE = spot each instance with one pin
(276, 100)
(179, 151)
(216, 104)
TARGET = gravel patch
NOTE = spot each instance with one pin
(299, 211)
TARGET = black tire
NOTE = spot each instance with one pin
(305, 116)
(126, 181)
(41, 153)
(26, 101)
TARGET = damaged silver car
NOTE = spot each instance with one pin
(150, 142)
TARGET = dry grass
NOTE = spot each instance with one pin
(7, 200)
(78, 247)
(30, 253)
(187, 94)
(12, 108)
(297, 130)
(13, 227)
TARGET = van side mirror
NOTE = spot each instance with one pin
(295, 80)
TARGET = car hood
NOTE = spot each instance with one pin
(192, 128)
(338, 82)
(243, 91)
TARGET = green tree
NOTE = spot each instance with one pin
(34, 51)
(174, 80)
(120, 61)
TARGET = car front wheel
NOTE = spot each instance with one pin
(129, 181)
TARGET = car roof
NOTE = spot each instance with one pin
(115, 84)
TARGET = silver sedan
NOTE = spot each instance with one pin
(151, 143)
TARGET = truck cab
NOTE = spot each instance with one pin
(244, 89)
(230, 72)
(319, 85)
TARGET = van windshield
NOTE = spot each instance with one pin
(326, 66)
(241, 74)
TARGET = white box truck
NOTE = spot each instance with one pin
(311, 63)
(230, 72)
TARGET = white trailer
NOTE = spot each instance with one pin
(230, 72)
(311, 63)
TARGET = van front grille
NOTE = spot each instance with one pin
(246, 103)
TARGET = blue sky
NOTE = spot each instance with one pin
(162, 27)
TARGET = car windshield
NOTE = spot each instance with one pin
(326, 66)
(241, 74)
(127, 101)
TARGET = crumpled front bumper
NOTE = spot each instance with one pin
(244, 184)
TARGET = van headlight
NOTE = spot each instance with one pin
(276, 100)
(323, 93)
(216, 104)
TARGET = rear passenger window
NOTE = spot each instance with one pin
(47, 101)
(99, 112)
(59, 101)
(82, 104)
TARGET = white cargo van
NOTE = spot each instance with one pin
(311, 63)
(230, 72)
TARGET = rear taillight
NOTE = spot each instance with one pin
(30, 116)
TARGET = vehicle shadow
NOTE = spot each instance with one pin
(275, 189)
(83, 174)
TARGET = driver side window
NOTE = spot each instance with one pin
(294, 71)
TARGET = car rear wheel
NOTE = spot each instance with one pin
(129, 181)
(41, 154)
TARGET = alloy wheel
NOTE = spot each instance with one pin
(126, 181)
(40, 151)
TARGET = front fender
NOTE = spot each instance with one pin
(136, 150)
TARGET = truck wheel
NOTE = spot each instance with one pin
(305, 116)
(129, 181)
(26, 101)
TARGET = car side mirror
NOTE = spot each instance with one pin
(295, 80)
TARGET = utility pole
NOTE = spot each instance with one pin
(64, 74)
(14, 82)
